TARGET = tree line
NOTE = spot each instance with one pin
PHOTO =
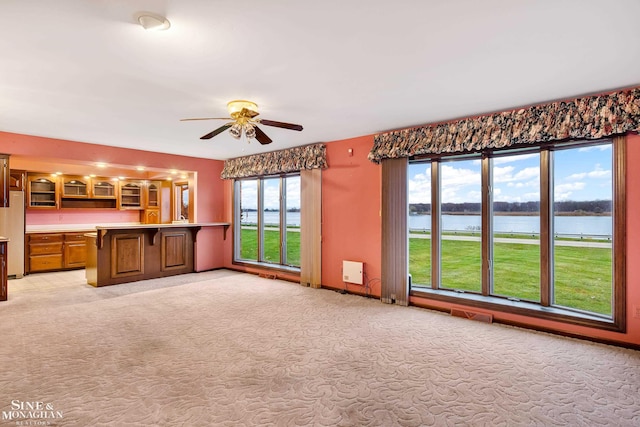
(567, 206)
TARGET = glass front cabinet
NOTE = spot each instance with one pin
(103, 188)
(75, 186)
(42, 191)
(130, 195)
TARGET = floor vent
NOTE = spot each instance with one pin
(473, 315)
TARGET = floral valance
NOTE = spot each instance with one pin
(590, 117)
(276, 162)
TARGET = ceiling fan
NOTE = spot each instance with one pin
(243, 119)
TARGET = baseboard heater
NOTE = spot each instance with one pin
(473, 315)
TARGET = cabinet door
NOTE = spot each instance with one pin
(130, 195)
(42, 191)
(103, 188)
(75, 186)
(152, 216)
(16, 180)
(75, 254)
(4, 180)
(153, 195)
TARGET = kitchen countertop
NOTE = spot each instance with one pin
(173, 225)
(70, 228)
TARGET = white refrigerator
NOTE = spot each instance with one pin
(12, 226)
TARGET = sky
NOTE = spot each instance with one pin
(272, 193)
(580, 174)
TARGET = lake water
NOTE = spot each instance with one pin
(566, 225)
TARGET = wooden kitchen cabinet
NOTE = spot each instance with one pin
(17, 180)
(55, 251)
(44, 252)
(42, 191)
(75, 186)
(4, 180)
(151, 216)
(151, 213)
(75, 250)
(130, 195)
(103, 188)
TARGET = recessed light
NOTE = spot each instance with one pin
(101, 165)
(140, 168)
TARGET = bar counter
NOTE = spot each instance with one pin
(127, 253)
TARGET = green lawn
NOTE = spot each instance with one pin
(249, 246)
(582, 275)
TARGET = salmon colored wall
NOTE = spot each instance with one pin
(209, 186)
(350, 216)
(351, 224)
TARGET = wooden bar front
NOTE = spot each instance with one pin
(128, 254)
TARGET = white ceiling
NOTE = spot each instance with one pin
(84, 70)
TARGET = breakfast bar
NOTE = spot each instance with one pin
(122, 254)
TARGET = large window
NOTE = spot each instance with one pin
(267, 221)
(527, 231)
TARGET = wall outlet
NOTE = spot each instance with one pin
(636, 311)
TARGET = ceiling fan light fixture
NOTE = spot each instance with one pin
(235, 107)
(152, 21)
(236, 131)
(249, 131)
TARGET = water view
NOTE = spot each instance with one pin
(596, 226)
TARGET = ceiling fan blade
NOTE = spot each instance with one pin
(216, 132)
(262, 137)
(207, 118)
(281, 125)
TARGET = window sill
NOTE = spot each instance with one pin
(519, 308)
(266, 266)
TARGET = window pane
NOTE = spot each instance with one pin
(460, 221)
(582, 208)
(249, 220)
(292, 220)
(420, 224)
(516, 226)
(271, 220)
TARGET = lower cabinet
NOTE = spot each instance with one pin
(55, 251)
(75, 250)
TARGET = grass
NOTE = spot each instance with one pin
(582, 275)
(249, 246)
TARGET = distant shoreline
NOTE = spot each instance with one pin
(516, 213)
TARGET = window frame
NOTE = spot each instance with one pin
(544, 309)
(237, 246)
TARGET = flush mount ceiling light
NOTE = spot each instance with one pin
(152, 21)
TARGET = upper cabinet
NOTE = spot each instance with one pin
(130, 195)
(17, 180)
(4, 180)
(42, 191)
(103, 188)
(153, 194)
(75, 186)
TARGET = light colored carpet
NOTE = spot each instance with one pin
(224, 348)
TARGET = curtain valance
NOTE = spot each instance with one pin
(276, 162)
(590, 117)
